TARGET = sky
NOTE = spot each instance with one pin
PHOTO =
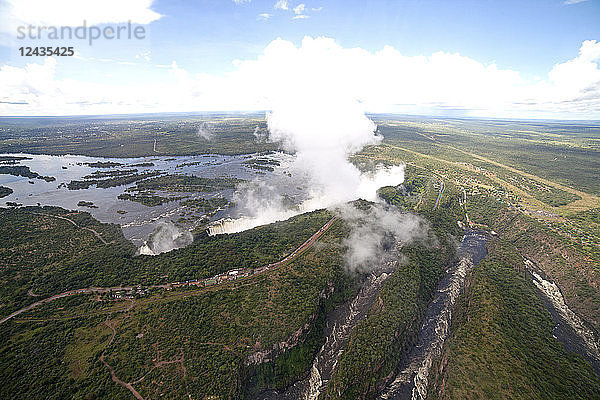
(506, 59)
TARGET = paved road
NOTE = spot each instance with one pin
(296, 253)
(437, 201)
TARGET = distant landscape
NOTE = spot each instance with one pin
(498, 211)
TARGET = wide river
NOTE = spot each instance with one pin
(136, 220)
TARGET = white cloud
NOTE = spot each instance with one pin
(317, 9)
(382, 81)
(241, 1)
(299, 9)
(264, 16)
(281, 5)
(568, 2)
(75, 12)
(300, 16)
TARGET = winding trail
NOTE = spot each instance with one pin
(292, 256)
(75, 224)
(114, 377)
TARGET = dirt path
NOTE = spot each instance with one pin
(112, 371)
(75, 224)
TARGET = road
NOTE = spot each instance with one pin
(296, 253)
(437, 201)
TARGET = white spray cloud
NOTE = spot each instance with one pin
(323, 125)
(260, 134)
(165, 237)
(204, 131)
(374, 230)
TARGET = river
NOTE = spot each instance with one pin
(412, 380)
(136, 220)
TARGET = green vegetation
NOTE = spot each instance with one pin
(111, 182)
(49, 255)
(44, 254)
(133, 136)
(186, 183)
(103, 164)
(142, 164)
(110, 173)
(378, 341)
(408, 195)
(212, 334)
(149, 200)
(21, 170)
(206, 206)
(262, 164)
(502, 345)
(89, 204)
(12, 159)
(36, 361)
(5, 191)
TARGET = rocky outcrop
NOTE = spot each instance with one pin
(262, 356)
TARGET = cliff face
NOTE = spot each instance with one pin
(559, 259)
(263, 356)
(278, 348)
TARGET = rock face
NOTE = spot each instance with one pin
(260, 357)
(413, 379)
(298, 336)
(570, 329)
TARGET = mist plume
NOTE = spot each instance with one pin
(165, 237)
(204, 131)
(374, 230)
(315, 118)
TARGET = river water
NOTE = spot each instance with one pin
(136, 220)
(338, 327)
(412, 380)
(572, 331)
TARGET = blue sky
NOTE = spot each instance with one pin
(528, 35)
(205, 37)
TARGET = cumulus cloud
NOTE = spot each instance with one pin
(299, 9)
(74, 12)
(281, 5)
(382, 81)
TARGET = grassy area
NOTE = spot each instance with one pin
(133, 136)
(212, 333)
(502, 345)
